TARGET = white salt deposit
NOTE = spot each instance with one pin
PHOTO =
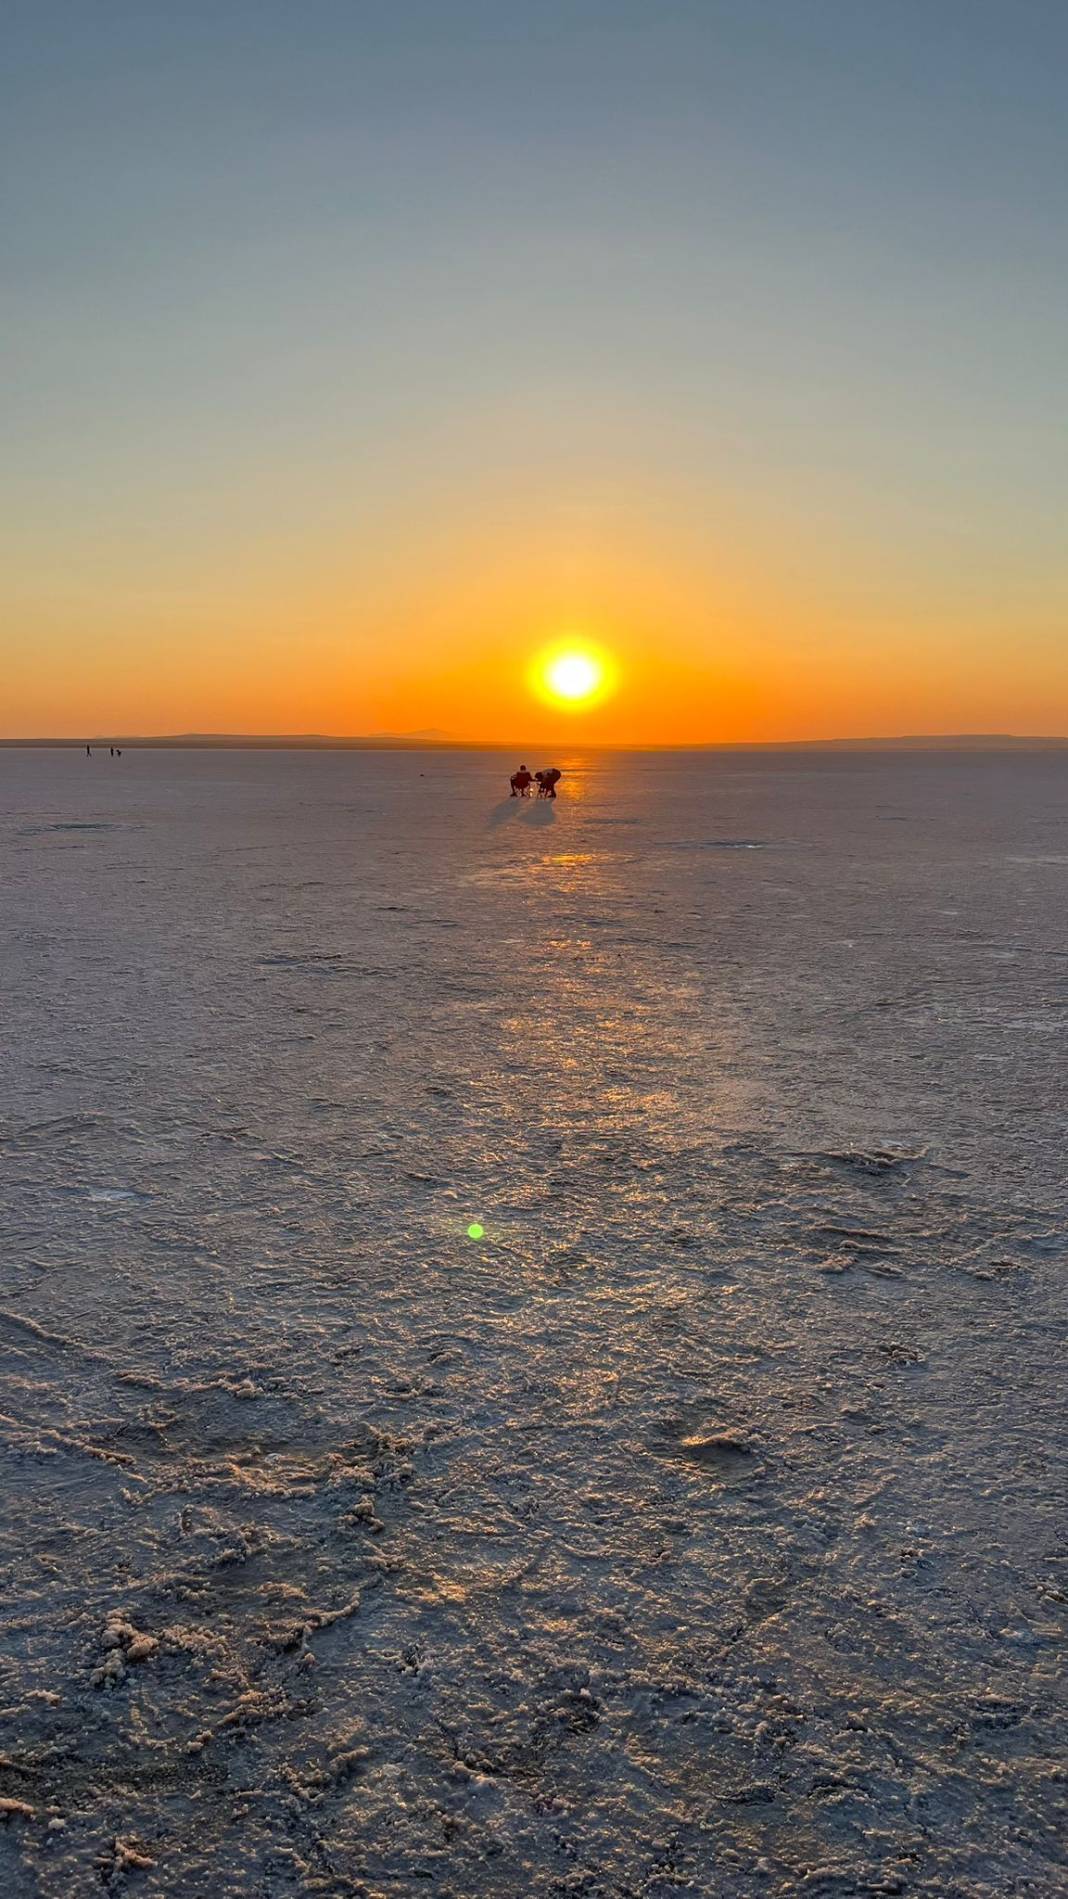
(698, 1529)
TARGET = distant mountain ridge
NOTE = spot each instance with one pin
(433, 737)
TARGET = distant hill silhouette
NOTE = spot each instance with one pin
(432, 737)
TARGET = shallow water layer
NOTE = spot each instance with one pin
(696, 1529)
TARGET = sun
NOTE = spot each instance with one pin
(573, 677)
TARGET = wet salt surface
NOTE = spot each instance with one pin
(697, 1530)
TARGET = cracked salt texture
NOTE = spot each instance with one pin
(694, 1529)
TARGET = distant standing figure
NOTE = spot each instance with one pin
(521, 782)
(111, 749)
(88, 751)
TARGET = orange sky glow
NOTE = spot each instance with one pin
(744, 635)
(358, 356)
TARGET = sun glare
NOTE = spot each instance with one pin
(573, 677)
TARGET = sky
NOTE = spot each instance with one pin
(354, 354)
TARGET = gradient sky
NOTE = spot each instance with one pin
(354, 351)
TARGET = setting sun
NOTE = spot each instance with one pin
(573, 677)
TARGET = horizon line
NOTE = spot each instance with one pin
(435, 741)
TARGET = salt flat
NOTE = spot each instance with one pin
(699, 1528)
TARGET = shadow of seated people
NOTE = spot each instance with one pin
(506, 809)
(543, 811)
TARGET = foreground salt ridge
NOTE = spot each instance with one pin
(696, 1531)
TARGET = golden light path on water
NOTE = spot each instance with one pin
(615, 1045)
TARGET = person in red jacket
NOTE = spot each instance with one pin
(521, 782)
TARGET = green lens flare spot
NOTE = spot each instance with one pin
(476, 1232)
